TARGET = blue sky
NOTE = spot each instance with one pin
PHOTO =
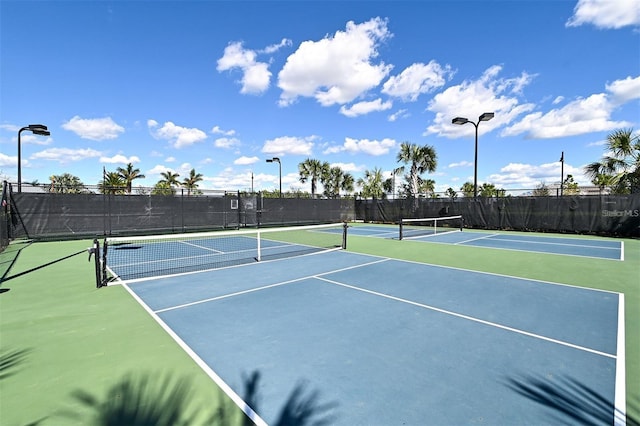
(220, 86)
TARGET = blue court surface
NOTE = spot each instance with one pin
(599, 248)
(389, 342)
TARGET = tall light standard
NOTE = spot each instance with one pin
(461, 120)
(36, 129)
(277, 160)
(561, 173)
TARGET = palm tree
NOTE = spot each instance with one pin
(129, 174)
(113, 183)
(451, 193)
(170, 178)
(335, 180)
(372, 184)
(623, 165)
(66, 183)
(191, 182)
(422, 159)
(468, 189)
(162, 188)
(312, 169)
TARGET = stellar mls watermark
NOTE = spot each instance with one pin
(621, 213)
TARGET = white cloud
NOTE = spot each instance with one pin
(285, 42)
(401, 113)
(170, 160)
(66, 155)
(336, 69)
(364, 107)
(460, 164)
(32, 139)
(626, 90)
(609, 14)
(119, 158)
(244, 161)
(226, 142)
(366, 146)
(178, 136)
(349, 167)
(96, 129)
(470, 99)
(255, 75)
(417, 79)
(558, 100)
(218, 131)
(578, 117)
(8, 161)
(527, 176)
(289, 145)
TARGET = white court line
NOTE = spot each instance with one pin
(620, 399)
(476, 239)
(554, 244)
(467, 317)
(201, 247)
(622, 251)
(251, 290)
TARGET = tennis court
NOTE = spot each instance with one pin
(386, 341)
(451, 232)
(385, 332)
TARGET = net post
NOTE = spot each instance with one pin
(95, 251)
(461, 222)
(104, 263)
(345, 226)
(400, 236)
(259, 258)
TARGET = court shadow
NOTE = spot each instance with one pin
(53, 262)
(569, 400)
(152, 399)
(10, 362)
(9, 257)
(302, 408)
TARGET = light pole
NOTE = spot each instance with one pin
(277, 160)
(561, 173)
(461, 120)
(36, 129)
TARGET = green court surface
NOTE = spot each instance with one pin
(74, 354)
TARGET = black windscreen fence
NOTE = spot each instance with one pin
(606, 215)
(66, 216)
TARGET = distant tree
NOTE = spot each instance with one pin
(191, 182)
(542, 190)
(372, 184)
(113, 183)
(569, 186)
(422, 159)
(170, 178)
(603, 181)
(336, 180)
(66, 183)
(490, 190)
(467, 189)
(427, 187)
(622, 166)
(451, 193)
(312, 170)
(129, 174)
(163, 188)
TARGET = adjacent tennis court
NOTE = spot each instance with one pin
(386, 341)
(449, 230)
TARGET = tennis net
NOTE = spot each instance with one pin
(134, 258)
(412, 228)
